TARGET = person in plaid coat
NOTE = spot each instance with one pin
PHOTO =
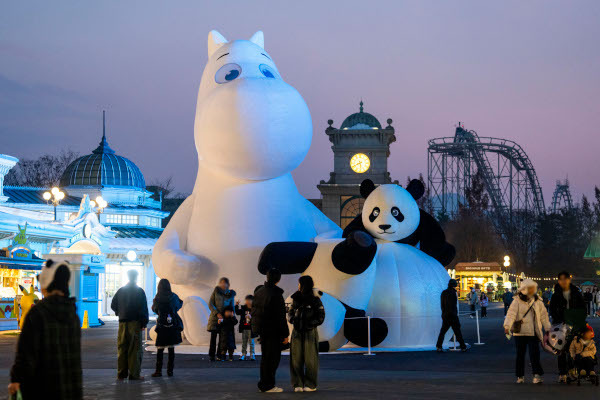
(48, 359)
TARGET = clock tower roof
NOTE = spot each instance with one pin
(360, 120)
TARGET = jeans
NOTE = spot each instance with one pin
(522, 342)
(129, 350)
(447, 323)
(304, 359)
(247, 341)
(483, 311)
(506, 307)
(472, 310)
(269, 361)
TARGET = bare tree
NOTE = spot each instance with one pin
(44, 171)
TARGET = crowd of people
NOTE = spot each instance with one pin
(48, 357)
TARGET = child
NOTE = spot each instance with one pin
(245, 327)
(484, 304)
(583, 351)
(226, 334)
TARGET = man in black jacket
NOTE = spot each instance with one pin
(269, 321)
(130, 305)
(48, 360)
(449, 301)
(566, 306)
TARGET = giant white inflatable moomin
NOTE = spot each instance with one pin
(251, 130)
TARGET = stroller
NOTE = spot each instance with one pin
(555, 342)
(585, 360)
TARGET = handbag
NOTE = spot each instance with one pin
(516, 327)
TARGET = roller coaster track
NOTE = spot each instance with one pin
(561, 198)
(510, 181)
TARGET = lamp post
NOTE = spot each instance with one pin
(99, 204)
(54, 196)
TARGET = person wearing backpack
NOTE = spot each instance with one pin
(168, 325)
(527, 319)
(306, 314)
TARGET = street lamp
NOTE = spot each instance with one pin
(100, 204)
(506, 261)
(54, 196)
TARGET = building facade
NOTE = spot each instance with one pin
(110, 240)
(361, 148)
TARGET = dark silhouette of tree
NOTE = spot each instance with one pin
(44, 171)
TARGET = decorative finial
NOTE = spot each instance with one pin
(103, 147)
(330, 122)
(103, 124)
(361, 105)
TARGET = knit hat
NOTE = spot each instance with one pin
(55, 275)
(526, 283)
(588, 328)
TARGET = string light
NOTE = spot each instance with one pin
(531, 277)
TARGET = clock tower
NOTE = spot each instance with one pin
(361, 148)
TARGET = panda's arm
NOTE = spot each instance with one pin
(355, 254)
(355, 225)
(433, 239)
(287, 257)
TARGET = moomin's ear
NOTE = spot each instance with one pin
(258, 39)
(215, 41)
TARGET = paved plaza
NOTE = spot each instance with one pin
(484, 372)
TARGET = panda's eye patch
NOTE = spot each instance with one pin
(397, 214)
(374, 214)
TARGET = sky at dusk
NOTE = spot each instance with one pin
(528, 71)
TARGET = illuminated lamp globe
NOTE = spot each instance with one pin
(61, 195)
(92, 203)
(47, 196)
(55, 191)
(131, 255)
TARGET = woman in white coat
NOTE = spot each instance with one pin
(531, 317)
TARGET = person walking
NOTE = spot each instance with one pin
(597, 299)
(221, 298)
(526, 320)
(449, 303)
(306, 314)
(567, 306)
(48, 359)
(269, 321)
(484, 301)
(507, 299)
(130, 305)
(168, 325)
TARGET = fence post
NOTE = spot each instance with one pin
(369, 336)
(477, 323)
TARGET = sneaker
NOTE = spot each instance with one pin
(252, 358)
(582, 373)
(274, 390)
(307, 389)
(242, 358)
(537, 379)
(562, 379)
(298, 389)
(521, 379)
(439, 349)
(592, 373)
(139, 378)
(157, 374)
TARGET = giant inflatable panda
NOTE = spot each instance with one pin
(399, 285)
(252, 129)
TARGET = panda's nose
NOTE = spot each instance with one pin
(384, 227)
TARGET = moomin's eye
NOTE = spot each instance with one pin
(227, 73)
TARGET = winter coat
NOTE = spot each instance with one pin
(227, 333)
(588, 297)
(48, 358)
(537, 314)
(269, 312)
(473, 298)
(577, 348)
(307, 312)
(484, 301)
(168, 323)
(558, 304)
(219, 299)
(244, 311)
(507, 297)
(129, 304)
(449, 303)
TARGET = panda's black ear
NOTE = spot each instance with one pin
(416, 189)
(366, 187)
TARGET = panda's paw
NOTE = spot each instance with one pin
(354, 254)
(356, 331)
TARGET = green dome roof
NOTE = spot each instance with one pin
(361, 120)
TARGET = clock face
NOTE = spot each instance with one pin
(360, 163)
